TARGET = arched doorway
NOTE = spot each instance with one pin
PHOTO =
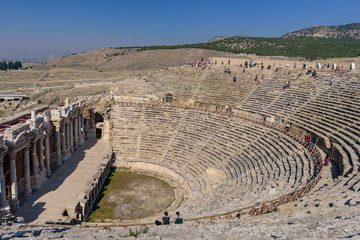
(99, 121)
(168, 98)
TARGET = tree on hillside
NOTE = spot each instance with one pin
(10, 65)
(3, 66)
(17, 65)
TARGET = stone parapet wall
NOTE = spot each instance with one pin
(284, 62)
(80, 210)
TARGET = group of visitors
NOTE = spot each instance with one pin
(342, 75)
(227, 70)
(225, 109)
(287, 85)
(339, 68)
(200, 64)
(312, 73)
(259, 80)
(245, 65)
(346, 75)
(166, 219)
(276, 67)
(311, 140)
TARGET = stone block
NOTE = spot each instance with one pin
(55, 115)
(14, 131)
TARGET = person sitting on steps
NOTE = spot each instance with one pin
(166, 219)
(178, 219)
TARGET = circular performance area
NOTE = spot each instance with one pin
(127, 195)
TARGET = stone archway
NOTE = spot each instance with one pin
(99, 122)
(168, 98)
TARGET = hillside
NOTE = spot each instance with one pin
(347, 32)
(111, 59)
(318, 42)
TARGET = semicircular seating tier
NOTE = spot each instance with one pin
(330, 113)
(228, 163)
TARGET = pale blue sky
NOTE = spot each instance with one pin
(45, 27)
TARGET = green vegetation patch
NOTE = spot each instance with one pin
(309, 48)
(136, 232)
(128, 195)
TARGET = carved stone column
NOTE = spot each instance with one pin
(58, 144)
(82, 123)
(2, 181)
(81, 129)
(71, 136)
(14, 190)
(79, 123)
(27, 169)
(76, 130)
(47, 155)
(35, 162)
(67, 134)
(106, 130)
(41, 153)
(63, 142)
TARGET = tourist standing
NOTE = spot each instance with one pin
(327, 160)
(313, 141)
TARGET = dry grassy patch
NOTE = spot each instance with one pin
(128, 195)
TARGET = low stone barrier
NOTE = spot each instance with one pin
(79, 210)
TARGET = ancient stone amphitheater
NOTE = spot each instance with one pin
(235, 153)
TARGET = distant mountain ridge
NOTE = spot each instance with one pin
(219, 38)
(349, 32)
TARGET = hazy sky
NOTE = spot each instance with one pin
(52, 27)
